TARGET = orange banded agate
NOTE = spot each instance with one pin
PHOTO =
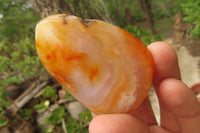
(104, 67)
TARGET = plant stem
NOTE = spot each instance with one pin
(106, 11)
(63, 126)
(16, 114)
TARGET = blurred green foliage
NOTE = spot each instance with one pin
(191, 9)
(85, 116)
(18, 59)
(42, 106)
(3, 122)
(3, 101)
(108, 10)
(49, 92)
(74, 126)
(144, 35)
(18, 20)
(68, 95)
(26, 113)
(56, 116)
(3, 104)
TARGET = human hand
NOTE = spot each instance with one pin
(179, 107)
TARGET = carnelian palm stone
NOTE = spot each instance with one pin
(104, 67)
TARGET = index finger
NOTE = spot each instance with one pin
(166, 62)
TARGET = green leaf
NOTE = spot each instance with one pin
(68, 95)
(3, 122)
(86, 116)
(3, 93)
(4, 103)
(26, 113)
(11, 79)
(42, 106)
(49, 92)
(56, 116)
(4, 63)
(74, 126)
(191, 11)
(144, 35)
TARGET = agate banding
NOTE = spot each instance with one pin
(104, 67)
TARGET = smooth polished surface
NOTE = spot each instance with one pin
(104, 67)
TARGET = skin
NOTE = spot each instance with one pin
(180, 109)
